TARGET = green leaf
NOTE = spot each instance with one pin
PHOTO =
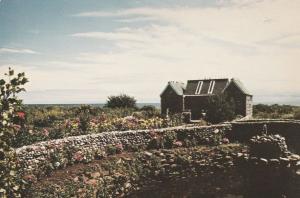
(2, 82)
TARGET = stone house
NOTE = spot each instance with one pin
(178, 97)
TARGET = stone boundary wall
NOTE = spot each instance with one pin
(242, 131)
(43, 157)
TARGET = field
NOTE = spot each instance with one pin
(276, 111)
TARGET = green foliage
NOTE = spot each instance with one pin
(84, 117)
(169, 139)
(121, 101)
(297, 114)
(275, 111)
(220, 108)
(114, 149)
(10, 114)
(150, 111)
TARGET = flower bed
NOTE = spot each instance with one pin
(29, 134)
(122, 175)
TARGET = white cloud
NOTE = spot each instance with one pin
(17, 51)
(185, 43)
(119, 13)
(256, 41)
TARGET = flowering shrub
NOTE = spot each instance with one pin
(101, 124)
(42, 123)
(29, 134)
(11, 117)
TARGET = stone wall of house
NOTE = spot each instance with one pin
(249, 105)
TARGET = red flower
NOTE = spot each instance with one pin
(78, 156)
(30, 178)
(21, 115)
(45, 132)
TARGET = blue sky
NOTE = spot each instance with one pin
(81, 51)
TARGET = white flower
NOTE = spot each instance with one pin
(5, 116)
(56, 164)
(4, 122)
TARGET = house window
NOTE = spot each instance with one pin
(211, 86)
(199, 87)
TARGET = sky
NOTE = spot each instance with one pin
(82, 51)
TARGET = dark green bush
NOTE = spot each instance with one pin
(150, 111)
(220, 108)
(121, 101)
(84, 116)
(169, 138)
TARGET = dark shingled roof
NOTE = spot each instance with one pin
(178, 87)
(201, 87)
(219, 86)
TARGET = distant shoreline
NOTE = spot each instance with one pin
(157, 105)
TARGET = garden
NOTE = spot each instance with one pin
(120, 150)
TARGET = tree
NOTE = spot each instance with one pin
(121, 101)
(220, 108)
(10, 112)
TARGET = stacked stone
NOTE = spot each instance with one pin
(268, 146)
(56, 154)
(270, 169)
(269, 150)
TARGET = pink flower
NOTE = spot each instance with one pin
(225, 141)
(21, 115)
(45, 132)
(178, 143)
(30, 178)
(92, 182)
(78, 156)
(17, 127)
